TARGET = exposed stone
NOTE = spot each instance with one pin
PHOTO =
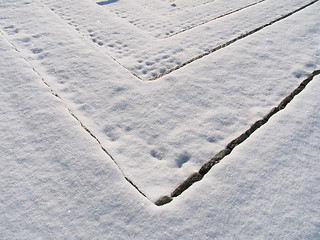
(216, 159)
(195, 177)
(238, 140)
(222, 154)
(163, 200)
(316, 72)
(271, 113)
(206, 167)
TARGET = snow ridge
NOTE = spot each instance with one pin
(54, 93)
(223, 15)
(226, 44)
(205, 168)
(197, 176)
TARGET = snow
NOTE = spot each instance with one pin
(137, 47)
(56, 180)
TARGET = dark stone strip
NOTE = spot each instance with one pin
(135, 186)
(197, 176)
(164, 200)
(216, 159)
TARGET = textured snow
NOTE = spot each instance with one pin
(138, 47)
(57, 183)
(159, 132)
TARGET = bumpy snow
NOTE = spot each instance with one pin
(93, 92)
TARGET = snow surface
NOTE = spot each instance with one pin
(159, 132)
(56, 182)
(137, 47)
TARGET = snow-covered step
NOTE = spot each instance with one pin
(160, 132)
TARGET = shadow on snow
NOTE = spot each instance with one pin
(106, 2)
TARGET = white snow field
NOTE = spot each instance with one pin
(104, 100)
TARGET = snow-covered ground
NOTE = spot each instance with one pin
(79, 115)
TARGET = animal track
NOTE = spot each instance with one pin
(153, 54)
(36, 50)
(166, 55)
(197, 176)
(181, 19)
(182, 159)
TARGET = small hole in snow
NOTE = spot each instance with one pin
(182, 159)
